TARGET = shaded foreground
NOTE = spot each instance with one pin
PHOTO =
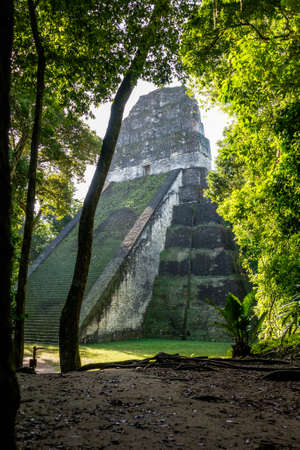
(156, 408)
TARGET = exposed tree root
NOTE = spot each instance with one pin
(292, 374)
(177, 362)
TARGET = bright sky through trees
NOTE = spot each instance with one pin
(214, 121)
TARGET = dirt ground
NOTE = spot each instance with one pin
(157, 409)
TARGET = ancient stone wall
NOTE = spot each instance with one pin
(163, 136)
(119, 208)
(163, 132)
(117, 303)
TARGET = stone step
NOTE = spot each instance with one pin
(40, 338)
(41, 328)
(47, 312)
(41, 333)
(43, 309)
(41, 341)
(42, 325)
(42, 319)
(39, 319)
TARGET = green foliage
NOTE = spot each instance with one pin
(290, 316)
(240, 322)
(89, 47)
(244, 56)
(289, 346)
(67, 146)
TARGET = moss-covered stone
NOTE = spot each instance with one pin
(47, 287)
(200, 315)
(178, 236)
(165, 314)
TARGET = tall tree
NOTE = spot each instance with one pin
(30, 201)
(9, 390)
(245, 55)
(61, 144)
(67, 145)
(154, 38)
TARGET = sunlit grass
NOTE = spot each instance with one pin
(49, 353)
(134, 349)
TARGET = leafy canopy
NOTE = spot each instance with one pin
(244, 55)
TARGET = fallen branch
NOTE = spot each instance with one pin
(226, 365)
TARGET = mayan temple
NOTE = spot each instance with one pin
(159, 249)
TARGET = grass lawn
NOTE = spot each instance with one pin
(135, 349)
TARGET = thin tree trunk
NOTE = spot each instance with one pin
(30, 202)
(9, 389)
(69, 322)
(18, 153)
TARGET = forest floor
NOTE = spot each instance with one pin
(158, 408)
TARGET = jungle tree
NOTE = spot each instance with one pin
(30, 201)
(245, 56)
(45, 163)
(149, 33)
(8, 383)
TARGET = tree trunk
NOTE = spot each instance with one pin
(30, 202)
(69, 322)
(9, 389)
(18, 151)
(69, 330)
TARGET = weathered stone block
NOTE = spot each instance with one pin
(212, 263)
(201, 316)
(48, 285)
(191, 176)
(203, 177)
(174, 267)
(162, 132)
(190, 194)
(183, 215)
(201, 326)
(205, 212)
(212, 237)
(216, 289)
(179, 237)
(165, 313)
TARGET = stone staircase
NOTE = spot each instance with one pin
(198, 262)
(37, 329)
(48, 284)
